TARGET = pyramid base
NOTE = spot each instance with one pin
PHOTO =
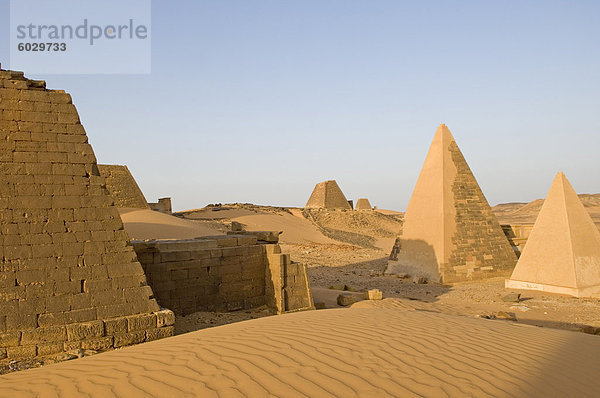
(396, 267)
(590, 291)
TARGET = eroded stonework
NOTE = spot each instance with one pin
(67, 269)
(122, 187)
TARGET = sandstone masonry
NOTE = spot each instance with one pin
(122, 186)
(223, 273)
(69, 277)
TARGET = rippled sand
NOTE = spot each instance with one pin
(367, 352)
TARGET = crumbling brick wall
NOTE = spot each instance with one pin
(223, 273)
(67, 270)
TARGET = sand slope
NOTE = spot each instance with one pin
(296, 229)
(366, 352)
(149, 224)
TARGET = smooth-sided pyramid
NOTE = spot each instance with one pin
(122, 187)
(449, 231)
(328, 195)
(363, 204)
(562, 254)
(69, 277)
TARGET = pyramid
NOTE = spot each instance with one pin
(69, 277)
(122, 187)
(562, 254)
(328, 195)
(449, 231)
(363, 204)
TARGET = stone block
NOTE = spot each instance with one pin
(141, 322)
(130, 338)
(113, 311)
(246, 240)
(44, 335)
(21, 352)
(10, 339)
(115, 326)
(373, 294)
(49, 349)
(16, 321)
(83, 331)
(165, 317)
(82, 315)
(227, 242)
(51, 319)
(160, 333)
(346, 299)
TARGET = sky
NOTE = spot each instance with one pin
(257, 101)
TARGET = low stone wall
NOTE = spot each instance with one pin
(517, 235)
(223, 273)
(95, 335)
(163, 206)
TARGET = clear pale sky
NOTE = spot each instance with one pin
(257, 101)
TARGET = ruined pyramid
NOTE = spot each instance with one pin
(328, 195)
(449, 231)
(69, 277)
(363, 204)
(122, 187)
(562, 254)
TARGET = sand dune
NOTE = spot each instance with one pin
(366, 352)
(296, 228)
(149, 224)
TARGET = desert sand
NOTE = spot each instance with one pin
(391, 350)
(148, 224)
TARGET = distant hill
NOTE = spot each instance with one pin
(526, 213)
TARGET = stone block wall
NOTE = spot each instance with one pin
(96, 335)
(223, 273)
(287, 284)
(65, 260)
(481, 249)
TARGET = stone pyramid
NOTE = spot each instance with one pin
(562, 254)
(122, 187)
(363, 204)
(69, 277)
(328, 195)
(449, 231)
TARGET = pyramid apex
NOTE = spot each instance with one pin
(562, 179)
(443, 133)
